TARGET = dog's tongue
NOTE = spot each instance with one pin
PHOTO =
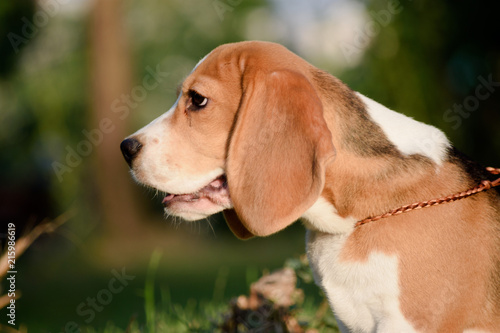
(168, 197)
(181, 197)
(212, 188)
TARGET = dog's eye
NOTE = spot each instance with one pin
(197, 101)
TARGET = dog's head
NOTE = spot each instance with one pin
(246, 136)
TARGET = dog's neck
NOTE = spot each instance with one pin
(383, 159)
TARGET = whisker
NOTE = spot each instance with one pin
(211, 227)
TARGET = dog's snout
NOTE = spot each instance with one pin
(130, 148)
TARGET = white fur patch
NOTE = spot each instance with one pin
(322, 216)
(155, 172)
(407, 134)
(364, 295)
(157, 127)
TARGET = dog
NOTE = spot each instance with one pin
(266, 138)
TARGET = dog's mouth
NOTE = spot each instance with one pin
(204, 201)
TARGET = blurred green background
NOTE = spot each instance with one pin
(72, 87)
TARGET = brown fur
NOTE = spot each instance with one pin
(449, 267)
(280, 132)
(448, 254)
(274, 123)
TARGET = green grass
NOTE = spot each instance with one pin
(187, 286)
(207, 316)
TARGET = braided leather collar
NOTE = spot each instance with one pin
(483, 186)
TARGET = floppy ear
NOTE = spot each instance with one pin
(277, 153)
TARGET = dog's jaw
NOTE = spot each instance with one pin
(199, 204)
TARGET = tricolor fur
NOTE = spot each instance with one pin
(267, 138)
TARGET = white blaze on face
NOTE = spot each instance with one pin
(169, 162)
(158, 165)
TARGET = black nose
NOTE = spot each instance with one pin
(130, 148)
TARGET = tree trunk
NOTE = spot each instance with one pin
(111, 78)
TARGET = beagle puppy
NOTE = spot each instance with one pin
(265, 137)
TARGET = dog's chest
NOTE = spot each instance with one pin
(364, 295)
